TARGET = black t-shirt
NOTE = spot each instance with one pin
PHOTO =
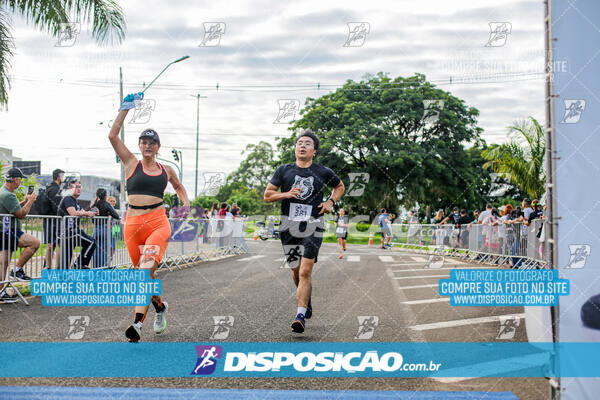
(535, 215)
(54, 198)
(453, 218)
(464, 220)
(312, 180)
(105, 209)
(66, 202)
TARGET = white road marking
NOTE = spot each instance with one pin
(386, 258)
(462, 322)
(353, 258)
(251, 258)
(421, 277)
(427, 301)
(500, 366)
(419, 259)
(418, 286)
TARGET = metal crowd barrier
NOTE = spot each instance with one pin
(98, 242)
(517, 245)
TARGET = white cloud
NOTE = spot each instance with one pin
(264, 43)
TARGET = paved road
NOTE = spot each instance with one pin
(390, 287)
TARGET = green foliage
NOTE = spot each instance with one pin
(522, 158)
(204, 201)
(105, 17)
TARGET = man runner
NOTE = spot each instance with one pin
(302, 205)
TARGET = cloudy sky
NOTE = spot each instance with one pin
(63, 97)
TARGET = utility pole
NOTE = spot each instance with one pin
(198, 97)
(122, 194)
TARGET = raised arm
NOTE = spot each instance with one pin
(127, 158)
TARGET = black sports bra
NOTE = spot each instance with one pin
(139, 182)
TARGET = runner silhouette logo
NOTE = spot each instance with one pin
(207, 359)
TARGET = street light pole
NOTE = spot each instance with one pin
(122, 199)
(198, 97)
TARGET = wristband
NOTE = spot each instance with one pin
(332, 200)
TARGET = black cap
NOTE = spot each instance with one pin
(150, 134)
(14, 173)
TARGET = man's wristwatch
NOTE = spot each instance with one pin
(332, 201)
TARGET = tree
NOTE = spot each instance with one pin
(255, 171)
(377, 126)
(105, 16)
(522, 159)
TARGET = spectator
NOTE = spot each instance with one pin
(103, 231)
(476, 214)
(15, 238)
(222, 211)
(504, 232)
(527, 210)
(517, 214)
(439, 217)
(214, 211)
(51, 226)
(413, 227)
(484, 216)
(74, 236)
(537, 213)
(452, 218)
(386, 232)
(116, 228)
(463, 222)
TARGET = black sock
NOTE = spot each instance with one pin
(157, 307)
(139, 317)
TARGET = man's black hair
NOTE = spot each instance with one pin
(56, 173)
(463, 212)
(383, 210)
(311, 135)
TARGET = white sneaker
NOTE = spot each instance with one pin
(160, 320)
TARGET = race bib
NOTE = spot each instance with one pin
(300, 212)
(340, 230)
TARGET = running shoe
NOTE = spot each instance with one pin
(134, 332)
(5, 298)
(298, 324)
(308, 310)
(19, 276)
(160, 320)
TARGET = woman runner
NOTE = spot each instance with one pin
(147, 229)
(342, 223)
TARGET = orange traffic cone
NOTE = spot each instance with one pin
(255, 235)
(370, 238)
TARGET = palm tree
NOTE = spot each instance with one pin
(105, 16)
(522, 159)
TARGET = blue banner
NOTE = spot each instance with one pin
(235, 359)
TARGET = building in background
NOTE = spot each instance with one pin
(89, 185)
(7, 158)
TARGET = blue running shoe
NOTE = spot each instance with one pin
(308, 310)
(298, 324)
